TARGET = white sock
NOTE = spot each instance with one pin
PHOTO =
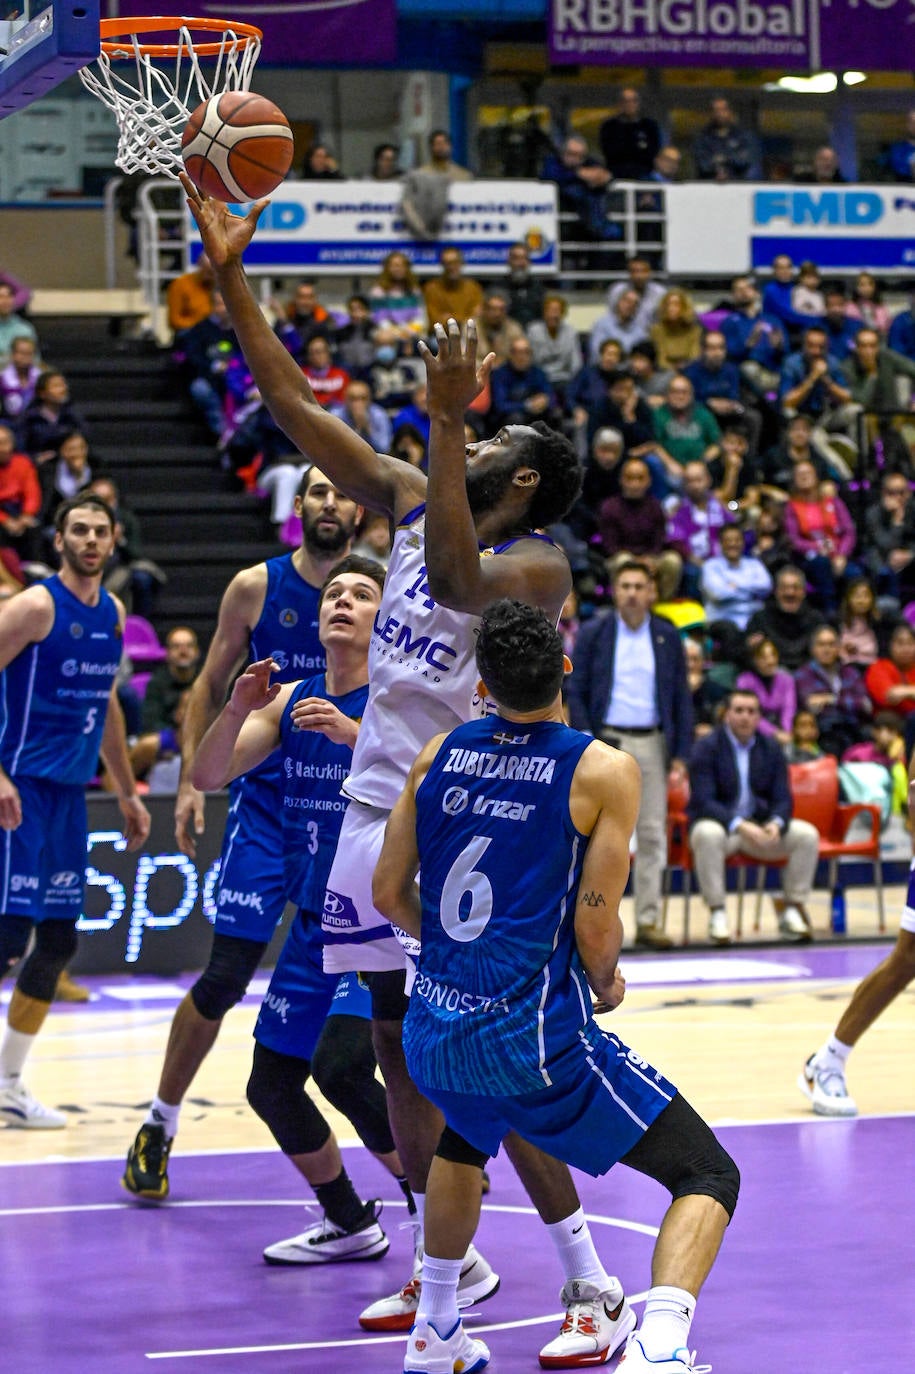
(577, 1254)
(835, 1050)
(163, 1114)
(420, 1200)
(438, 1295)
(13, 1053)
(666, 1321)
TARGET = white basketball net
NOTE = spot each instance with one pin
(152, 97)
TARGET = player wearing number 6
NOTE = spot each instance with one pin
(519, 827)
(60, 648)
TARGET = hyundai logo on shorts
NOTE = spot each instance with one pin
(66, 878)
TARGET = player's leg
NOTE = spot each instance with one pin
(822, 1078)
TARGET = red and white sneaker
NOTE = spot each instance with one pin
(595, 1327)
(635, 1361)
(398, 1312)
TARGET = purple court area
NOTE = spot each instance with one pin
(815, 1271)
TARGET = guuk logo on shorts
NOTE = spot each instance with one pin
(23, 882)
(230, 896)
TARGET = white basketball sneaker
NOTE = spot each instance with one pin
(19, 1108)
(398, 1312)
(824, 1085)
(456, 1353)
(595, 1326)
(635, 1361)
(325, 1243)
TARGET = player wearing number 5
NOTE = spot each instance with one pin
(500, 1032)
(60, 647)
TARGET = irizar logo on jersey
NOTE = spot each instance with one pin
(230, 896)
(514, 767)
(502, 810)
(23, 882)
(455, 801)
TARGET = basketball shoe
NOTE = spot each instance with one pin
(19, 1108)
(146, 1171)
(325, 1243)
(635, 1361)
(69, 991)
(398, 1312)
(456, 1353)
(824, 1084)
(593, 1329)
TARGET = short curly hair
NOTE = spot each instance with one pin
(552, 456)
(519, 655)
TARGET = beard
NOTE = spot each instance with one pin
(322, 542)
(486, 487)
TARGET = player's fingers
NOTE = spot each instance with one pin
(257, 209)
(469, 350)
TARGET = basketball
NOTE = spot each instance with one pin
(237, 146)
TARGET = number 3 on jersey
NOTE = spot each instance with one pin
(464, 877)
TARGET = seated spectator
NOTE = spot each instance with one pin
(189, 298)
(707, 694)
(208, 349)
(786, 619)
(416, 413)
(771, 546)
(521, 392)
(889, 539)
(20, 507)
(451, 295)
(632, 525)
(12, 326)
(600, 481)
(685, 430)
(624, 409)
(866, 304)
(302, 320)
(440, 158)
(774, 689)
(393, 376)
(723, 151)
(589, 387)
(496, 331)
(555, 344)
(878, 378)
(777, 466)
(128, 574)
(629, 140)
(890, 681)
(834, 692)
(523, 290)
(651, 381)
(822, 534)
(327, 381)
(171, 680)
(408, 444)
(902, 331)
(18, 378)
(777, 294)
(805, 739)
(695, 525)
(354, 342)
(735, 477)
(396, 298)
(813, 384)
(734, 583)
(582, 181)
(47, 418)
(385, 163)
(716, 384)
(319, 164)
(754, 339)
(824, 170)
(373, 538)
(676, 334)
(807, 299)
(901, 156)
(650, 292)
(859, 622)
(841, 329)
(622, 321)
(63, 477)
(362, 415)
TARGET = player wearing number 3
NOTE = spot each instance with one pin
(60, 648)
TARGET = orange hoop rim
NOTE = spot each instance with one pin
(113, 29)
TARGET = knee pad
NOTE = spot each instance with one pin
(343, 1066)
(276, 1092)
(715, 1176)
(680, 1151)
(14, 937)
(456, 1150)
(225, 979)
(55, 946)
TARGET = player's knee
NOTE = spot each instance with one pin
(225, 979)
(904, 954)
(276, 1092)
(343, 1063)
(55, 946)
(714, 1175)
(456, 1150)
(14, 937)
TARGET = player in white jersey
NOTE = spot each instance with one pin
(490, 496)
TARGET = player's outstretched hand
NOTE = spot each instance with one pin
(253, 690)
(189, 818)
(10, 804)
(612, 998)
(225, 236)
(317, 713)
(136, 821)
(453, 375)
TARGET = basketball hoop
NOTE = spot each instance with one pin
(152, 87)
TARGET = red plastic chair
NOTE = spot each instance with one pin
(815, 789)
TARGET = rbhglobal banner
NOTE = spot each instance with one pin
(805, 35)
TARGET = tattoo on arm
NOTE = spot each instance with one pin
(592, 899)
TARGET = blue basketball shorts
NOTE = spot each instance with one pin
(592, 1114)
(251, 894)
(908, 911)
(43, 864)
(301, 995)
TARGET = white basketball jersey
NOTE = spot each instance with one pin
(422, 673)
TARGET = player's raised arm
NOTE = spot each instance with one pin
(394, 890)
(378, 481)
(604, 804)
(246, 730)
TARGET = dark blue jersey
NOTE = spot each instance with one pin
(313, 768)
(54, 694)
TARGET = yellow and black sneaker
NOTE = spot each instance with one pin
(146, 1173)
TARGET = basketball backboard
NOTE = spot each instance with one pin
(42, 42)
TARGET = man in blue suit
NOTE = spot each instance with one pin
(629, 689)
(740, 802)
